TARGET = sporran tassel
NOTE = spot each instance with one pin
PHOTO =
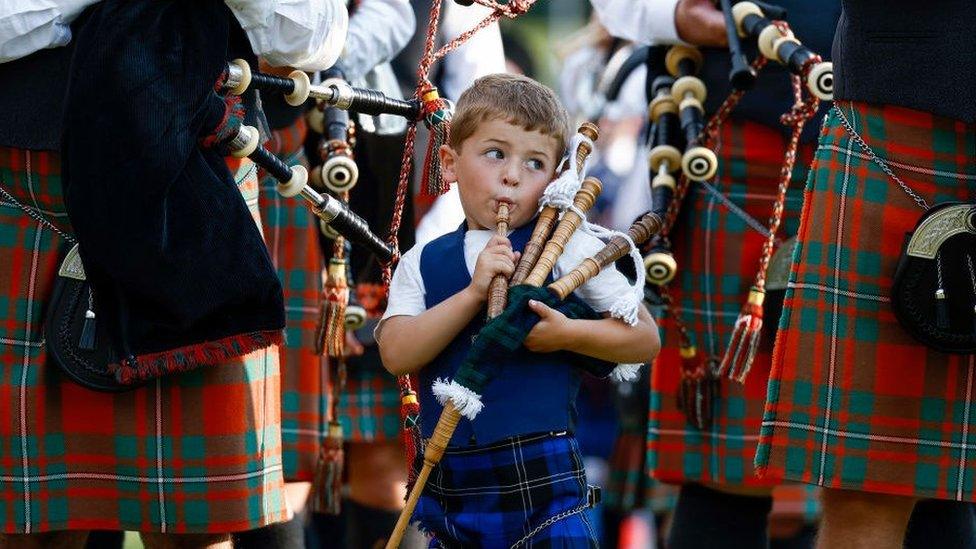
(745, 337)
(941, 306)
(87, 340)
(327, 485)
(437, 117)
(941, 310)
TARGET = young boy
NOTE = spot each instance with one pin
(514, 472)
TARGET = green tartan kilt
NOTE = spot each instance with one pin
(854, 402)
(198, 452)
(717, 242)
(369, 408)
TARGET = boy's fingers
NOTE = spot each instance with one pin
(539, 308)
(499, 240)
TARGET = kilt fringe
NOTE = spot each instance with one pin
(145, 367)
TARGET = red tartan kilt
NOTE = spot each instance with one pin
(854, 402)
(717, 252)
(71, 458)
(291, 233)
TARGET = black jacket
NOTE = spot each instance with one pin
(920, 55)
(181, 275)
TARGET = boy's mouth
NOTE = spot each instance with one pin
(507, 201)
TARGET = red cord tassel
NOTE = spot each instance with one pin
(331, 333)
(696, 390)
(327, 485)
(745, 337)
(410, 420)
(437, 117)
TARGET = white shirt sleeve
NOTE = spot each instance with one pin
(482, 54)
(378, 30)
(305, 34)
(603, 290)
(407, 291)
(27, 26)
(644, 21)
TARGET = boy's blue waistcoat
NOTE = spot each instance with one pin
(533, 393)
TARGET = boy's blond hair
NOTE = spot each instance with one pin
(515, 99)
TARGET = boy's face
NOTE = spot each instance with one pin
(500, 162)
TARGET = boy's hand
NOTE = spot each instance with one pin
(496, 258)
(550, 333)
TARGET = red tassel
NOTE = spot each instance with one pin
(745, 337)
(437, 117)
(696, 390)
(410, 420)
(327, 485)
(331, 333)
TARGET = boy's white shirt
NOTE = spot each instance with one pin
(407, 288)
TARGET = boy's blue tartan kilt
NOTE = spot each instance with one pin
(495, 495)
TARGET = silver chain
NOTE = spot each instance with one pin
(37, 216)
(877, 160)
(549, 522)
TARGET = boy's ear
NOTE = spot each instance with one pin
(448, 158)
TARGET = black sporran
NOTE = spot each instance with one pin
(934, 294)
(74, 342)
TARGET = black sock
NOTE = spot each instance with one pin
(941, 523)
(281, 535)
(105, 539)
(709, 519)
(326, 530)
(367, 527)
(806, 538)
(612, 519)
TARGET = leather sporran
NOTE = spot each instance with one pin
(934, 294)
(74, 342)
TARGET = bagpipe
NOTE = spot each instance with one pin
(681, 139)
(340, 171)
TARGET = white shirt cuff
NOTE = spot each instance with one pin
(643, 21)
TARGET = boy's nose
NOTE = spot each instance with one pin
(511, 175)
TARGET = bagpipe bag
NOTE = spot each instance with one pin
(179, 271)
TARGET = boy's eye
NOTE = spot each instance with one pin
(535, 164)
(495, 153)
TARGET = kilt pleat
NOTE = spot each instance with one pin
(717, 242)
(853, 401)
(291, 233)
(196, 452)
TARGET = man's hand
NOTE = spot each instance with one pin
(496, 258)
(550, 333)
(701, 23)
